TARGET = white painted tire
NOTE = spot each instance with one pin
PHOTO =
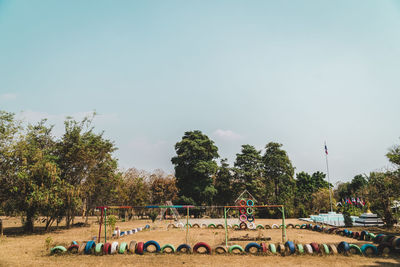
(275, 226)
(114, 248)
(204, 225)
(139, 228)
(308, 249)
(251, 226)
(179, 225)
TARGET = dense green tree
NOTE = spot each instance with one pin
(195, 166)
(394, 155)
(278, 173)
(248, 172)
(223, 184)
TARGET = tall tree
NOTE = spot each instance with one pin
(162, 187)
(223, 184)
(194, 167)
(394, 155)
(248, 171)
(279, 172)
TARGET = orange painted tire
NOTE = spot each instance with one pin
(202, 245)
(242, 202)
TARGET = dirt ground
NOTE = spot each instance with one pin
(30, 250)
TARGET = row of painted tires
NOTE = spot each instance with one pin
(385, 240)
(288, 248)
(242, 225)
(129, 232)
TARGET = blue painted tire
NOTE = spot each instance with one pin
(343, 247)
(368, 247)
(89, 246)
(184, 247)
(152, 243)
(290, 245)
(363, 234)
(252, 245)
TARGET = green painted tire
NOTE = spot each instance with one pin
(324, 249)
(58, 249)
(297, 226)
(168, 246)
(300, 249)
(211, 225)
(371, 236)
(234, 247)
(355, 248)
(190, 225)
(260, 226)
(272, 248)
(236, 226)
(99, 248)
(122, 248)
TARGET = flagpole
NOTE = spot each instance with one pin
(327, 171)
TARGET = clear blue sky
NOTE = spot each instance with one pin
(243, 72)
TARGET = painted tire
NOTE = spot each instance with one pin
(90, 247)
(260, 226)
(343, 247)
(275, 226)
(390, 240)
(184, 248)
(386, 238)
(81, 248)
(107, 248)
(253, 245)
(363, 234)
(356, 235)
(345, 232)
(303, 226)
(308, 249)
(202, 245)
(139, 248)
(229, 226)
(243, 218)
(151, 243)
(252, 226)
(280, 226)
(290, 247)
(234, 248)
(220, 250)
(132, 247)
(188, 224)
(272, 248)
(171, 225)
(122, 248)
(147, 226)
(211, 225)
(267, 226)
(333, 249)
(330, 230)
(242, 202)
(250, 218)
(281, 249)
(290, 225)
(242, 210)
(264, 248)
(249, 211)
(114, 248)
(315, 247)
(196, 225)
(220, 226)
(315, 228)
(99, 248)
(324, 249)
(236, 226)
(168, 249)
(74, 243)
(371, 236)
(396, 243)
(369, 250)
(350, 234)
(300, 249)
(73, 249)
(203, 225)
(250, 202)
(243, 226)
(384, 249)
(58, 250)
(297, 226)
(379, 238)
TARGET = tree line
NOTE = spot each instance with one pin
(66, 176)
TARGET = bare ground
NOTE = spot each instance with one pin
(30, 250)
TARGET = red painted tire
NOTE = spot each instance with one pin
(264, 248)
(243, 226)
(242, 210)
(73, 249)
(202, 245)
(242, 202)
(315, 247)
(139, 248)
(107, 248)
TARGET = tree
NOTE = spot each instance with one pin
(320, 200)
(394, 155)
(278, 171)
(383, 189)
(223, 184)
(162, 187)
(194, 167)
(248, 172)
(136, 188)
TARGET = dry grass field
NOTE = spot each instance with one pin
(30, 250)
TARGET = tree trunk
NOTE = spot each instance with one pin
(1, 227)
(28, 227)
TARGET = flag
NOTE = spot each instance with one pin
(326, 150)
